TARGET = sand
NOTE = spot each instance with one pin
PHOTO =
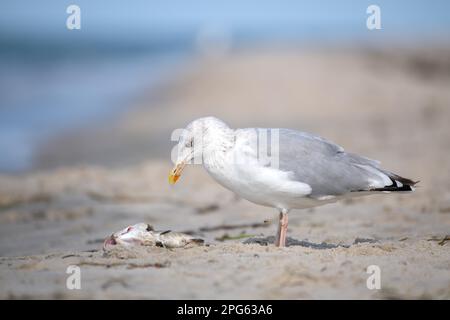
(391, 105)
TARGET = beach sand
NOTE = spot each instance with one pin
(390, 105)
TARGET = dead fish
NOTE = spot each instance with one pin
(143, 234)
(169, 239)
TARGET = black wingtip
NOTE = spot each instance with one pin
(403, 188)
(402, 180)
(399, 184)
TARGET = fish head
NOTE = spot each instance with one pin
(138, 234)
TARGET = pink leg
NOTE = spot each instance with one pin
(280, 240)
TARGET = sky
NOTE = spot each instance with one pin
(137, 18)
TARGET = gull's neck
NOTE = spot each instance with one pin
(218, 140)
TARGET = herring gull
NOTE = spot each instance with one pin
(281, 168)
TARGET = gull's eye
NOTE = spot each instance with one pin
(189, 143)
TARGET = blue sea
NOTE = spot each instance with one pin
(53, 79)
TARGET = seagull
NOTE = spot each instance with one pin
(281, 168)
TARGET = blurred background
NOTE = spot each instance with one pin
(86, 118)
(112, 92)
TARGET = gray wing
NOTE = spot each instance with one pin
(327, 168)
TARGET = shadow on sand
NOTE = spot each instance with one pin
(304, 243)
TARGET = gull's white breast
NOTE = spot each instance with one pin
(239, 170)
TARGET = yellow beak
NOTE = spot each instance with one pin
(175, 173)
